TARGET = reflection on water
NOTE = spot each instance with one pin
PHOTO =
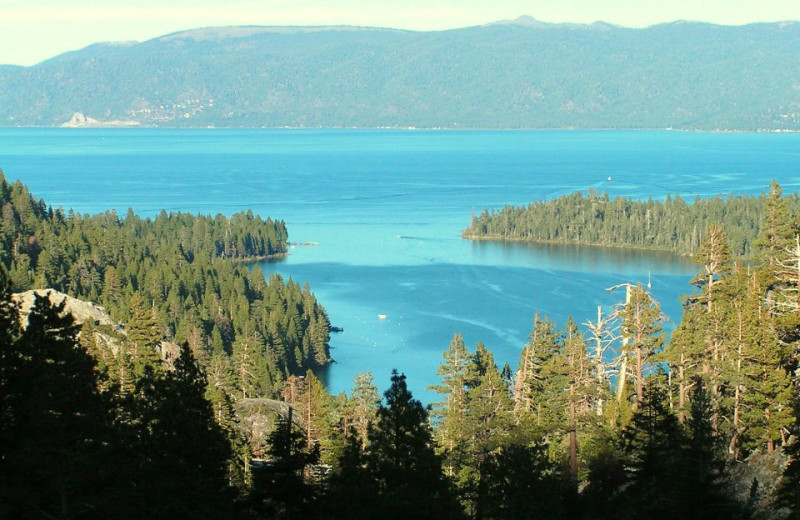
(491, 299)
(573, 257)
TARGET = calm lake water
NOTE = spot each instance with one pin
(386, 208)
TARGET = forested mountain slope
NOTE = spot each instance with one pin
(519, 74)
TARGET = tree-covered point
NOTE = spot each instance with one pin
(181, 271)
(596, 219)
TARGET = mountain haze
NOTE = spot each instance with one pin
(515, 74)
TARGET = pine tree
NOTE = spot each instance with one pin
(767, 400)
(601, 339)
(481, 363)
(641, 328)
(788, 491)
(715, 258)
(352, 492)
(652, 442)
(489, 417)
(144, 335)
(700, 489)
(402, 460)
(698, 343)
(218, 392)
(521, 482)
(489, 426)
(582, 391)
(10, 361)
(248, 365)
(316, 409)
(362, 405)
(171, 474)
(280, 489)
(738, 314)
(450, 412)
(776, 230)
(58, 420)
(529, 384)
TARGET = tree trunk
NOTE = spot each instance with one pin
(623, 369)
(598, 356)
(682, 390)
(573, 436)
(639, 375)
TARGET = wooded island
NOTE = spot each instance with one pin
(596, 219)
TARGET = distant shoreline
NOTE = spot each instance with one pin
(498, 238)
(136, 125)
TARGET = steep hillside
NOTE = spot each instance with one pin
(519, 74)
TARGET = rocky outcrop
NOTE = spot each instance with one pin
(753, 483)
(81, 310)
(80, 120)
(108, 334)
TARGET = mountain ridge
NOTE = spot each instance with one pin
(519, 73)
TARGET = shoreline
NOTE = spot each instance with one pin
(139, 125)
(497, 238)
(254, 259)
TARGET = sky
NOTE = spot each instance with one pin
(34, 30)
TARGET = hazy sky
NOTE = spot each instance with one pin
(34, 30)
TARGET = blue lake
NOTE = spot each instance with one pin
(386, 208)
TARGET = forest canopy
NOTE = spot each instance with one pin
(596, 219)
(185, 273)
(611, 419)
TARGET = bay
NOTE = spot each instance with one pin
(385, 210)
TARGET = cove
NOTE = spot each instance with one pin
(386, 209)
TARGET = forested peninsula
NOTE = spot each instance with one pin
(611, 419)
(177, 272)
(596, 219)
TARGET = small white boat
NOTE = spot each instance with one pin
(381, 316)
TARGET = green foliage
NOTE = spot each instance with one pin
(169, 418)
(767, 401)
(175, 277)
(533, 384)
(401, 459)
(398, 473)
(9, 356)
(54, 421)
(520, 482)
(360, 408)
(642, 332)
(777, 230)
(352, 491)
(279, 487)
(788, 490)
(73, 447)
(674, 472)
(671, 225)
(451, 411)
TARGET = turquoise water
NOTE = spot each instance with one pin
(386, 208)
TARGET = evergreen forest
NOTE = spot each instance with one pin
(596, 219)
(609, 417)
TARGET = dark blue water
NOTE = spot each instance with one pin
(386, 209)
